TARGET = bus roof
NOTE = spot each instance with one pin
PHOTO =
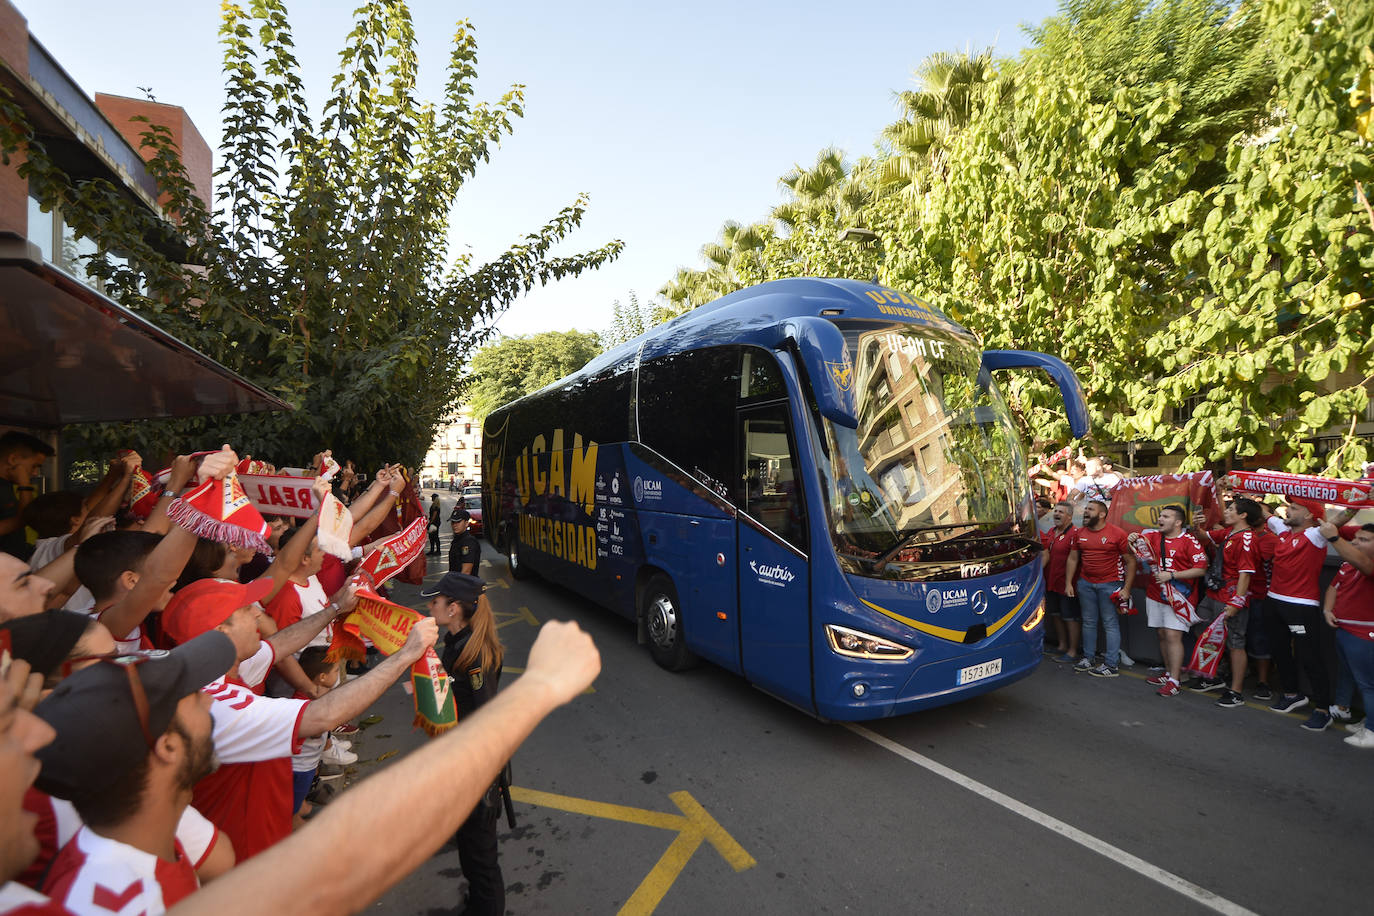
(750, 316)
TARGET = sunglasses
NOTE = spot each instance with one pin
(129, 661)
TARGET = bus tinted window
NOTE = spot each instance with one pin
(760, 379)
(599, 407)
(686, 411)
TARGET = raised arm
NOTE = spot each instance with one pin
(1347, 551)
(297, 636)
(164, 565)
(288, 559)
(343, 703)
(410, 808)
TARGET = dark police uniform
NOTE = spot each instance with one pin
(464, 548)
(476, 839)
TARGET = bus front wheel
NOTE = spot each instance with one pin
(517, 566)
(663, 623)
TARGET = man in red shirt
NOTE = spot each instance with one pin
(1061, 607)
(133, 737)
(1183, 562)
(1108, 572)
(1293, 609)
(1240, 564)
(249, 798)
(1349, 608)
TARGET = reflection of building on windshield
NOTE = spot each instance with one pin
(904, 429)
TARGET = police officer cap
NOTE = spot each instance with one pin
(457, 587)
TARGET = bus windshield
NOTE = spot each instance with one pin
(932, 485)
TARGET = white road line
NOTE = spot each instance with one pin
(1087, 841)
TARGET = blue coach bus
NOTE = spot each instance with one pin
(812, 483)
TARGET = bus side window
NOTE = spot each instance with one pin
(771, 492)
(685, 404)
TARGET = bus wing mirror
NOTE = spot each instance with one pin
(1075, 404)
(823, 352)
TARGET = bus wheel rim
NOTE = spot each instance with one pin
(662, 621)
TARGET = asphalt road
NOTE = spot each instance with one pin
(694, 793)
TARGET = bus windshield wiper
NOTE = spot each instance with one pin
(886, 557)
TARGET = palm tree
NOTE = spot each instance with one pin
(951, 85)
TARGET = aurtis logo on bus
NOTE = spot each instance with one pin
(772, 575)
(1010, 590)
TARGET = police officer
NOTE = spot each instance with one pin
(472, 656)
(464, 553)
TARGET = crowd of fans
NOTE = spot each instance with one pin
(1261, 568)
(167, 701)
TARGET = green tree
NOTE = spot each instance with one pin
(518, 365)
(631, 319)
(325, 277)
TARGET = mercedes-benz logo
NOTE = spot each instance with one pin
(980, 602)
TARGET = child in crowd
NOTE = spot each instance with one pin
(305, 765)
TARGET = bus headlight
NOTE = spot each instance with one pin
(856, 644)
(1033, 620)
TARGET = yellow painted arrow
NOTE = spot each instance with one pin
(520, 615)
(692, 826)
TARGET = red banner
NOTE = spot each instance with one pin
(1207, 652)
(395, 553)
(407, 509)
(1137, 501)
(1352, 494)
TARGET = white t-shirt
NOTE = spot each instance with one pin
(96, 876)
(250, 728)
(46, 550)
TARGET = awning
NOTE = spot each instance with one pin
(71, 355)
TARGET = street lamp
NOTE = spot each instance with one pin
(857, 235)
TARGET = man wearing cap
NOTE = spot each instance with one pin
(464, 552)
(134, 735)
(249, 798)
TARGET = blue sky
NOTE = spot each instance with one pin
(673, 118)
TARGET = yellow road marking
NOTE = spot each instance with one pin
(692, 826)
(520, 615)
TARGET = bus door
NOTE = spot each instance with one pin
(774, 583)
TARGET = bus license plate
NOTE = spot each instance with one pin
(979, 672)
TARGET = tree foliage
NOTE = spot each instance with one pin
(1170, 195)
(325, 275)
(515, 366)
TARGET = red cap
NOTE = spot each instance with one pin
(207, 603)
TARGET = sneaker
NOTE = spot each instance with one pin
(1159, 680)
(1066, 659)
(340, 742)
(1339, 713)
(1169, 689)
(1156, 669)
(348, 728)
(1083, 664)
(1288, 702)
(1230, 699)
(1102, 671)
(1125, 660)
(1317, 722)
(1207, 685)
(1192, 683)
(337, 756)
(1362, 738)
(1263, 692)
